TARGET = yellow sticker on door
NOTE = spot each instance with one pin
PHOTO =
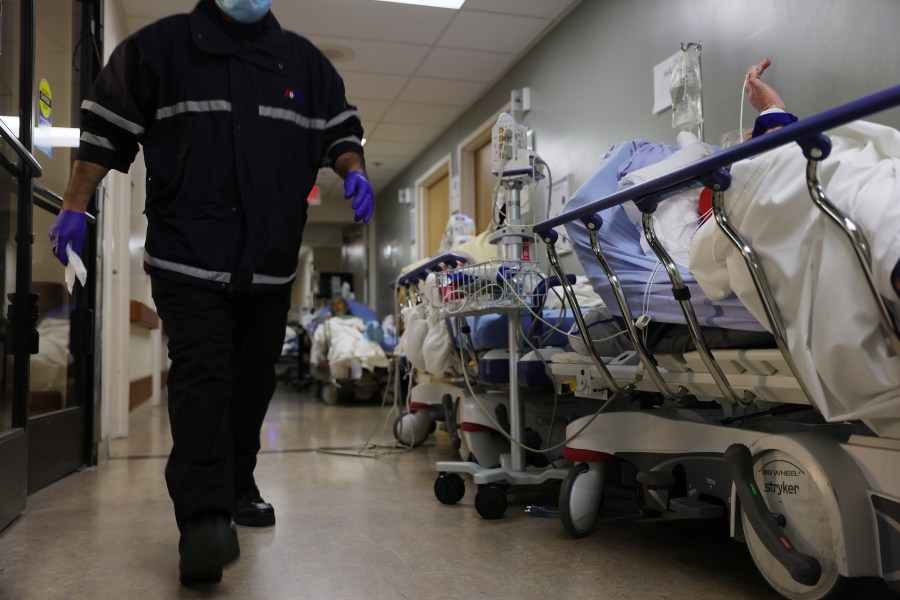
(45, 98)
(42, 138)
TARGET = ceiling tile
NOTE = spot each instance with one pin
(441, 91)
(408, 150)
(547, 9)
(366, 20)
(372, 87)
(375, 57)
(465, 65)
(156, 9)
(372, 111)
(396, 132)
(494, 33)
(421, 114)
(384, 164)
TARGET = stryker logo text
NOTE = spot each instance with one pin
(787, 489)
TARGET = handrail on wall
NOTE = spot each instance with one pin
(10, 138)
(50, 200)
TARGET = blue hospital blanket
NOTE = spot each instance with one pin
(492, 330)
(620, 242)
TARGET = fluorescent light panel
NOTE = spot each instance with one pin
(55, 137)
(455, 4)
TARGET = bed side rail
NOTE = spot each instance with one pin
(433, 265)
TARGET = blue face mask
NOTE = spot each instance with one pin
(245, 11)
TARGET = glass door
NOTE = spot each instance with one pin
(13, 439)
(57, 420)
(18, 168)
(47, 399)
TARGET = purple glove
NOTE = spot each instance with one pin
(357, 184)
(70, 227)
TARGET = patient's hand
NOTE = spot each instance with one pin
(761, 95)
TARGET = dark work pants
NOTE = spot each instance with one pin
(223, 350)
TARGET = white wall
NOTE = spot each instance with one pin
(146, 358)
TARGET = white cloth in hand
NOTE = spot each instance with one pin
(75, 269)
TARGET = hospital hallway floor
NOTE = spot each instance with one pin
(349, 527)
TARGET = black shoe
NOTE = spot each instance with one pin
(252, 511)
(208, 543)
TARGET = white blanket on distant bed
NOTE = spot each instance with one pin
(342, 340)
(426, 343)
(834, 332)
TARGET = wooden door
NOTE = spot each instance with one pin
(438, 212)
(484, 188)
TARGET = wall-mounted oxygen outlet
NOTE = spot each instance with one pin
(520, 100)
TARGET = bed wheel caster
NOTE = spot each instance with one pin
(408, 431)
(449, 488)
(330, 394)
(490, 501)
(579, 498)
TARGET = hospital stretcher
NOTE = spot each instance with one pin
(353, 381)
(432, 398)
(735, 433)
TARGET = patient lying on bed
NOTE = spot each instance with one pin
(834, 333)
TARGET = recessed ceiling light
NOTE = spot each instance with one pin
(455, 4)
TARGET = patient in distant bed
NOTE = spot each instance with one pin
(341, 340)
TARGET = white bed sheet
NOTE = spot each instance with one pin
(343, 342)
(833, 327)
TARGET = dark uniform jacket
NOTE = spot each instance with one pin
(235, 122)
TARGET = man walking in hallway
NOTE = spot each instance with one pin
(235, 116)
